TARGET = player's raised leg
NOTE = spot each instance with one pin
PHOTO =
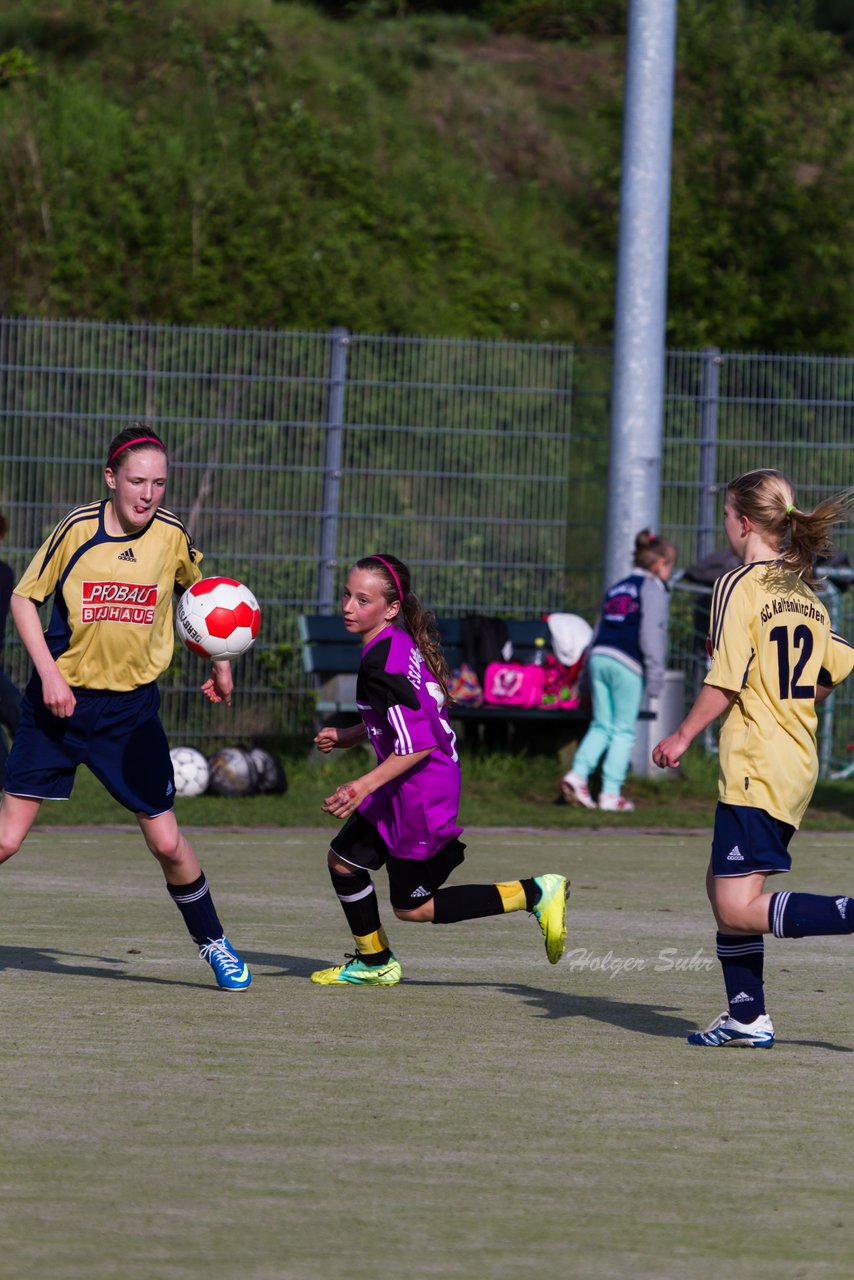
(543, 896)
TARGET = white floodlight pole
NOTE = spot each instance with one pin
(634, 477)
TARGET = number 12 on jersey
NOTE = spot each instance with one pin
(802, 643)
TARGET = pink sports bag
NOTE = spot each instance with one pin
(513, 684)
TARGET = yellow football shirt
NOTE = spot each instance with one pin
(771, 641)
(111, 626)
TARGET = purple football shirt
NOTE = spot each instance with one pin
(402, 708)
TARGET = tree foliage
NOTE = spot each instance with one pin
(763, 183)
(411, 169)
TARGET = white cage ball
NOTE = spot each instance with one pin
(191, 771)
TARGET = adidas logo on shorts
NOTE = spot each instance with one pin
(735, 855)
(420, 892)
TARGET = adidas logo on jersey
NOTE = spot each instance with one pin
(420, 892)
(742, 998)
(129, 556)
(735, 855)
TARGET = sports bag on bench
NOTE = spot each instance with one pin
(513, 684)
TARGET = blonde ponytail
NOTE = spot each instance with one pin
(767, 498)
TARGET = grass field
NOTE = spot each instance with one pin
(492, 1116)
(500, 789)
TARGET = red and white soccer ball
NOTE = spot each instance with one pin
(218, 618)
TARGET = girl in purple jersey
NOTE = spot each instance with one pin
(402, 814)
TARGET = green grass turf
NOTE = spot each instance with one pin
(491, 1117)
(500, 788)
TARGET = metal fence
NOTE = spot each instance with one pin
(482, 464)
(725, 414)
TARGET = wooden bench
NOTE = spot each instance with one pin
(331, 657)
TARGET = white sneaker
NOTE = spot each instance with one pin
(575, 791)
(615, 804)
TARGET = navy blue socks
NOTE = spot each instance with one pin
(790, 915)
(196, 905)
(809, 915)
(742, 959)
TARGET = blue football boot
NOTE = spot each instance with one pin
(230, 971)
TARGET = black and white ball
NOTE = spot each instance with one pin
(271, 775)
(233, 772)
(191, 771)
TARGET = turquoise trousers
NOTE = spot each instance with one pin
(617, 694)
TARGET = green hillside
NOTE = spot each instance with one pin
(249, 163)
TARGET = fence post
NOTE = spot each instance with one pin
(831, 597)
(706, 515)
(328, 563)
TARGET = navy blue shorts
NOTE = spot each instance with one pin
(118, 735)
(747, 841)
(411, 881)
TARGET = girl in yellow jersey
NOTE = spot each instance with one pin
(773, 658)
(112, 568)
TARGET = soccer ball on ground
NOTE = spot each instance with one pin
(271, 775)
(191, 771)
(218, 618)
(233, 772)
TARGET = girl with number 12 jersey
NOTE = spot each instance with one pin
(770, 639)
(773, 658)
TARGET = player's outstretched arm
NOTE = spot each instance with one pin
(711, 703)
(330, 737)
(350, 795)
(220, 684)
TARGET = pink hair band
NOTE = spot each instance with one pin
(393, 574)
(139, 440)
